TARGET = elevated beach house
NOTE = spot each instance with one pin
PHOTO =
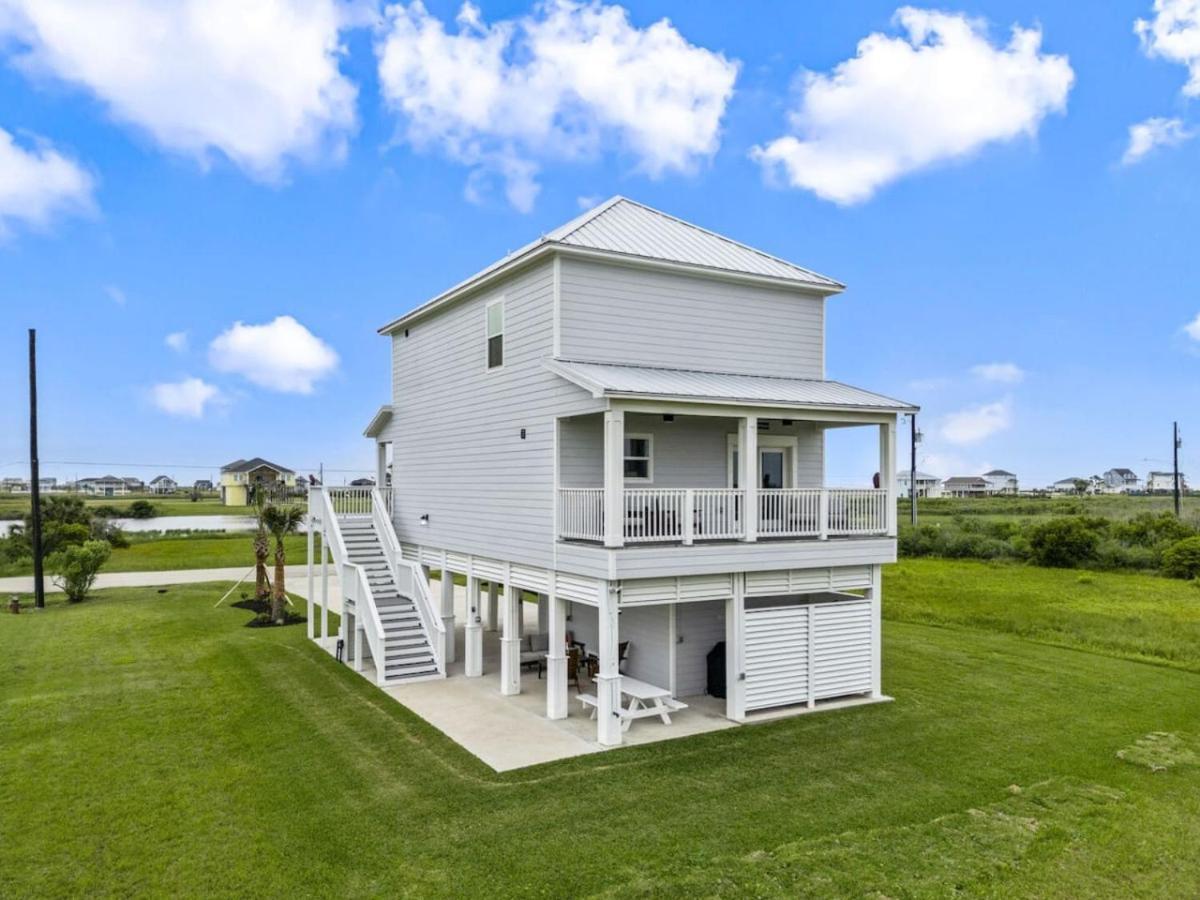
(626, 419)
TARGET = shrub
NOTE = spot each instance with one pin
(1112, 554)
(1065, 542)
(1150, 529)
(142, 509)
(75, 568)
(104, 530)
(1182, 558)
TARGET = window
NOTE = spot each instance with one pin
(639, 461)
(495, 334)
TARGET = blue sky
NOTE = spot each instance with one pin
(985, 207)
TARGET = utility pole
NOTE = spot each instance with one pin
(35, 487)
(912, 475)
(1175, 481)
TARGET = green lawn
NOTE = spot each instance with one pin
(193, 552)
(14, 506)
(1113, 506)
(1134, 616)
(153, 745)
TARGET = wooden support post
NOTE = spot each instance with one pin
(876, 596)
(543, 614)
(447, 585)
(614, 478)
(608, 681)
(510, 643)
(493, 606)
(473, 650)
(556, 657)
(735, 685)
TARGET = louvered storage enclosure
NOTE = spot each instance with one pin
(804, 652)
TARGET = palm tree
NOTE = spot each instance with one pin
(281, 521)
(262, 547)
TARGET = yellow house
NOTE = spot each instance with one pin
(243, 477)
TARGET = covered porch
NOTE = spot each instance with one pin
(690, 457)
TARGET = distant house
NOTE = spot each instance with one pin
(134, 485)
(1000, 482)
(1072, 485)
(163, 484)
(965, 486)
(1164, 482)
(202, 484)
(105, 486)
(1122, 481)
(14, 485)
(241, 478)
(363, 482)
(927, 485)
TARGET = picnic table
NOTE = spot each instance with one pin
(645, 700)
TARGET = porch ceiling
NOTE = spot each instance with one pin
(653, 383)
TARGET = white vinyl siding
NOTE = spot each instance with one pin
(458, 455)
(620, 314)
(698, 628)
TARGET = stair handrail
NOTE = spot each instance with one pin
(356, 588)
(407, 572)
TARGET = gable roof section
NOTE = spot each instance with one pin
(622, 229)
(1000, 472)
(378, 421)
(249, 465)
(652, 383)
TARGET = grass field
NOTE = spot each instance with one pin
(153, 745)
(15, 506)
(1114, 506)
(161, 554)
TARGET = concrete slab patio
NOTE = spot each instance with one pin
(513, 732)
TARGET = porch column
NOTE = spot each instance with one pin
(309, 596)
(608, 679)
(510, 643)
(876, 597)
(543, 613)
(735, 619)
(614, 478)
(493, 606)
(556, 657)
(748, 476)
(473, 651)
(448, 612)
(381, 466)
(887, 472)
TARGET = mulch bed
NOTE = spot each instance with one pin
(262, 610)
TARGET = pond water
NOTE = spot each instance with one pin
(171, 523)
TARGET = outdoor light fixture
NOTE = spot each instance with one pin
(522, 434)
(425, 518)
(669, 417)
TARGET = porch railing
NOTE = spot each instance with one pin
(686, 515)
(354, 501)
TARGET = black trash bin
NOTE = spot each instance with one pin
(716, 670)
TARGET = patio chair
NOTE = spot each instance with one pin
(533, 651)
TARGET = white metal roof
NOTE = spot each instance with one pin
(649, 382)
(621, 228)
(621, 225)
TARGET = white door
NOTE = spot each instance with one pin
(773, 468)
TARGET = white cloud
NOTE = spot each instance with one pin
(1174, 35)
(1193, 328)
(115, 294)
(39, 184)
(1153, 133)
(281, 355)
(1001, 373)
(258, 82)
(177, 341)
(562, 82)
(586, 201)
(976, 423)
(901, 104)
(188, 398)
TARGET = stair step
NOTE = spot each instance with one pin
(408, 638)
(425, 668)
